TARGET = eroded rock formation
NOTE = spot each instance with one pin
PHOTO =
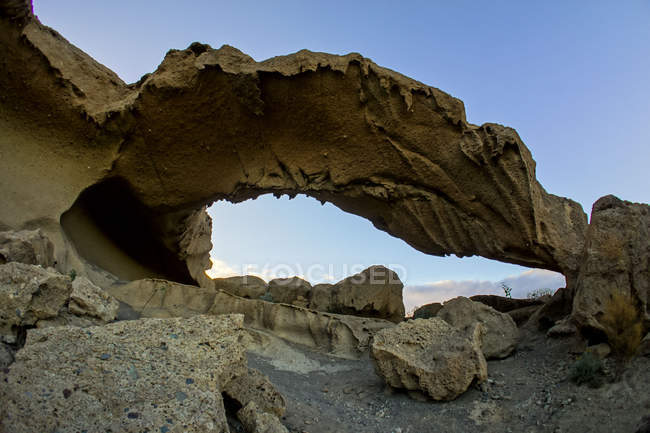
(214, 124)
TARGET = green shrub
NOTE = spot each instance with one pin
(587, 370)
(507, 290)
(72, 274)
(538, 293)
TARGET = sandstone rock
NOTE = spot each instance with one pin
(247, 286)
(644, 347)
(320, 298)
(554, 310)
(258, 421)
(427, 311)
(430, 355)
(29, 293)
(162, 298)
(287, 290)
(522, 315)
(151, 374)
(27, 246)
(501, 333)
(6, 355)
(504, 304)
(617, 260)
(340, 335)
(195, 244)
(88, 299)
(562, 328)
(600, 351)
(254, 386)
(374, 292)
(380, 145)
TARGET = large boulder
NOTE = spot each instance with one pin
(132, 376)
(616, 260)
(375, 292)
(27, 246)
(247, 286)
(430, 355)
(29, 293)
(288, 290)
(255, 420)
(340, 335)
(501, 333)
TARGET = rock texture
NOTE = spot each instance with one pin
(288, 290)
(501, 333)
(162, 298)
(26, 246)
(29, 293)
(374, 292)
(504, 304)
(427, 311)
(88, 299)
(255, 387)
(340, 335)
(430, 356)
(131, 376)
(617, 260)
(255, 420)
(214, 124)
(247, 286)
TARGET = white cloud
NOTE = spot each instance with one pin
(521, 285)
(220, 269)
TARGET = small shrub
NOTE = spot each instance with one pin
(587, 370)
(538, 293)
(507, 290)
(623, 325)
(72, 274)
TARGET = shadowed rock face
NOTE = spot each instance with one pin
(214, 124)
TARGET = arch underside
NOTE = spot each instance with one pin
(214, 124)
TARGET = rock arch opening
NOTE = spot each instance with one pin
(112, 229)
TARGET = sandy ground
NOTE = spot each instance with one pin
(527, 392)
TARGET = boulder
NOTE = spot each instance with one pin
(430, 356)
(162, 298)
(132, 376)
(29, 293)
(340, 335)
(247, 286)
(616, 260)
(287, 290)
(255, 387)
(31, 247)
(504, 304)
(88, 299)
(427, 311)
(375, 292)
(255, 420)
(501, 333)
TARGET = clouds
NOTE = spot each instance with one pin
(521, 285)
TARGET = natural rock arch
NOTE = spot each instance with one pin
(214, 124)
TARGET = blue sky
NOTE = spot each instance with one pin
(572, 77)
